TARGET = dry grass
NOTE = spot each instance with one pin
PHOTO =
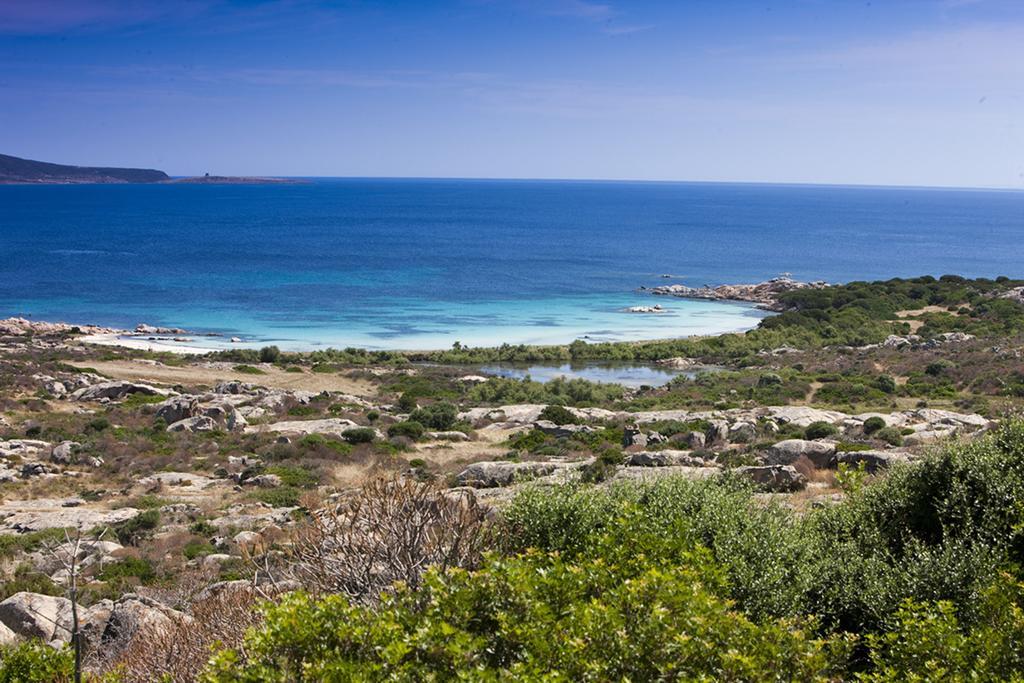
(210, 375)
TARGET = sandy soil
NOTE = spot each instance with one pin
(212, 373)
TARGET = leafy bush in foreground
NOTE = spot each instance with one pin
(915, 577)
(650, 610)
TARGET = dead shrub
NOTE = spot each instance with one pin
(177, 649)
(392, 529)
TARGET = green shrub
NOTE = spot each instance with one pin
(438, 416)
(359, 435)
(36, 662)
(249, 370)
(528, 441)
(891, 435)
(270, 354)
(873, 424)
(929, 640)
(820, 430)
(299, 477)
(133, 530)
(128, 568)
(407, 402)
(560, 415)
(410, 430)
(281, 497)
(886, 384)
(620, 614)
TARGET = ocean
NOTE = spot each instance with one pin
(421, 264)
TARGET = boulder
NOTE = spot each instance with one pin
(802, 416)
(873, 460)
(177, 409)
(666, 458)
(32, 615)
(742, 432)
(199, 423)
(7, 636)
(64, 452)
(774, 478)
(234, 388)
(334, 426)
(132, 612)
(502, 473)
(562, 431)
(787, 452)
(633, 436)
(448, 436)
(116, 391)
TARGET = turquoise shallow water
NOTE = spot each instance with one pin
(424, 263)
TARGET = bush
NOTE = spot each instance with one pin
(270, 354)
(438, 416)
(820, 430)
(407, 402)
(886, 384)
(557, 414)
(891, 435)
(621, 613)
(359, 435)
(131, 531)
(36, 662)
(410, 430)
(873, 424)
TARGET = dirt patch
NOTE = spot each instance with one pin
(210, 374)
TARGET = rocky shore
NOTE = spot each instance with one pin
(764, 294)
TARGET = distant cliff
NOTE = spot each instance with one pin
(15, 170)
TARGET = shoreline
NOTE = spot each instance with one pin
(751, 298)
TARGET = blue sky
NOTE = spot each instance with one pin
(903, 92)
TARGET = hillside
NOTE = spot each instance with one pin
(16, 170)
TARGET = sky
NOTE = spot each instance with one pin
(880, 92)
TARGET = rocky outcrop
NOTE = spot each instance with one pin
(31, 615)
(665, 458)
(115, 391)
(787, 452)
(502, 473)
(132, 612)
(774, 478)
(21, 516)
(177, 408)
(873, 460)
(764, 294)
(334, 426)
(199, 423)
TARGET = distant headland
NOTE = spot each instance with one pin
(14, 170)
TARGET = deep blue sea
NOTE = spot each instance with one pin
(424, 263)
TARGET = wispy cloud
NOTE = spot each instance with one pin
(35, 17)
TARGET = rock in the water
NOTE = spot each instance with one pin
(32, 615)
(775, 478)
(789, 451)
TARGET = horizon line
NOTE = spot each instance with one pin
(663, 181)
